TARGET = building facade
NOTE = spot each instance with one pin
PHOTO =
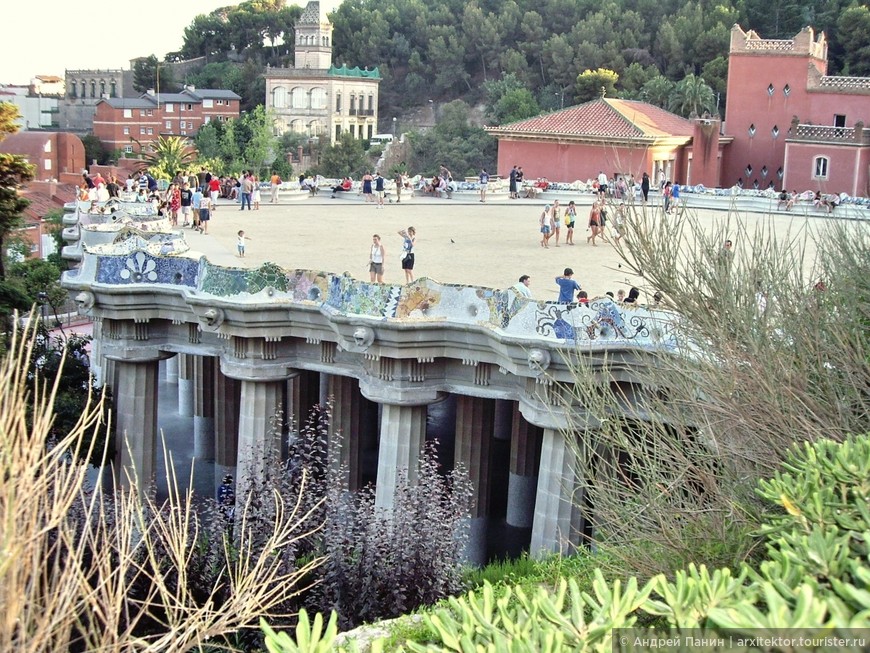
(131, 124)
(792, 124)
(54, 155)
(85, 89)
(316, 98)
(618, 137)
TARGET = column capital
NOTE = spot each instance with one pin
(256, 370)
(384, 392)
(127, 352)
(558, 416)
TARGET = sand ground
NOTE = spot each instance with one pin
(458, 241)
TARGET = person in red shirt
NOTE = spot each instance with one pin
(214, 190)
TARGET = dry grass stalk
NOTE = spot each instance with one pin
(83, 570)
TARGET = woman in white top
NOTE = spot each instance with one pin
(376, 260)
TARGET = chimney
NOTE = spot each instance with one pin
(52, 187)
(190, 87)
(150, 91)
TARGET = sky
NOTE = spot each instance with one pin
(48, 37)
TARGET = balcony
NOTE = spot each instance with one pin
(834, 135)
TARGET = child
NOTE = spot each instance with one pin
(567, 286)
(583, 297)
(241, 243)
(196, 203)
(204, 215)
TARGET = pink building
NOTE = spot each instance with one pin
(793, 125)
(54, 155)
(618, 137)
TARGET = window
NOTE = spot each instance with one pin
(183, 133)
(318, 98)
(128, 149)
(102, 88)
(298, 98)
(73, 90)
(83, 90)
(352, 104)
(93, 89)
(207, 120)
(168, 124)
(820, 167)
(774, 132)
(786, 90)
(770, 90)
(183, 125)
(113, 92)
(142, 131)
(169, 107)
(149, 112)
(126, 131)
(350, 131)
(338, 102)
(279, 97)
(371, 104)
(47, 164)
(47, 146)
(839, 120)
(207, 104)
(751, 130)
(220, 103)
(188, 107)
(128, 113)
(141, 112)
(151, 131)
(338, 132)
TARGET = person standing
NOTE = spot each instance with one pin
(367, 186)
(567, 286)
(666, 196)
(379, 190)
(570, 219)
(546, 223)
(399, 183)
(275, 183)
(204, 215)
(644, 187)
(196, 203)
(186, 204)
(557, 220)
(409, 239)
(513, 183)
(521, 176)
(256, 196)
(376, 260)
(214, 190)
(240, 243)
(594, 222)
(247, 191)
(484, 182)
(675, 196)
(602, 186)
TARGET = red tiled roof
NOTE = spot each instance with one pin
(605, 118)
(40, 205)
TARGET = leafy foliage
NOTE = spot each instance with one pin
(149, 75)
(346, 158)
(592, 84)
(453, 142)
(168, 155)
(14, 171)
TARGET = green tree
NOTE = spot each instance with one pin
(168, 155)
(261, 147)
(346, 158)
(592, 84)
(508, 100)
(633, 78)
(692, 96)
(150, 74)
(715, 73)
(94, 150)
(658, 91)
(208, 140)
(853, 26)
(14, 171)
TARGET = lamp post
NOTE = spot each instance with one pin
(394, 127)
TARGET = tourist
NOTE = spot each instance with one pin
(186, 203)
(409, 239)
(484, 182)
(521, 176)
(583, 298)
(594, 223)
(174, 200)
(675, 196)
(400, 182)
(513, 183)
(620, 296)
(247, 190)
(379, 190)
(275, 185)
(644, 187)
(567, 286)
(546, 226)
(619, 222)
(602, 186)
(129, 183)
(633, 295)
(570, 219)
(113, 187)
(214, 191)
(204, 214)
(195, 204)
(367, 186)
(522, 286)
(666, 196)
(376, 260)
(240, 243)
(557, 221)
(257, 197)
(345, 185)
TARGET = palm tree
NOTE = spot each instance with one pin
(168, 155)
(692, 96)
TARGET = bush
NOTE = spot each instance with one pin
(815, 576)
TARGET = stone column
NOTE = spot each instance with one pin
(475, 418)
(185, 385)
(226, 422)
(345, 428)
(258, 442)
(403, 431)
(203, 407)
(172, 370)
(136, 415)
(557, 522)
(303, 391)
(523, 479)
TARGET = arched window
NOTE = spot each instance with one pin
(73, 90)
(371, 104)
(82, 94)
(298, 98)
(314, 128)
(820, 167)
(279, 97)
(102, 88)
(318, 98)
(338, 102)
(298, 127)
(114, 89)
(93, 88)
(279, 126)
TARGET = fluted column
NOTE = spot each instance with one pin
(203, 407)
(403, 431)
(136, 415)
(171, 370)
(259, 440)
(226, 422)
(303, 391)
(345, 429)
(185, 385)
(557, 521)
(523, 479)
(475, 418)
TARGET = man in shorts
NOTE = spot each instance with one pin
(484, 182)
(186, 203)
(214, 191)
(204, 215)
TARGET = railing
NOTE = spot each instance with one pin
(845, 82)
(828, 133)
(782, 45)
